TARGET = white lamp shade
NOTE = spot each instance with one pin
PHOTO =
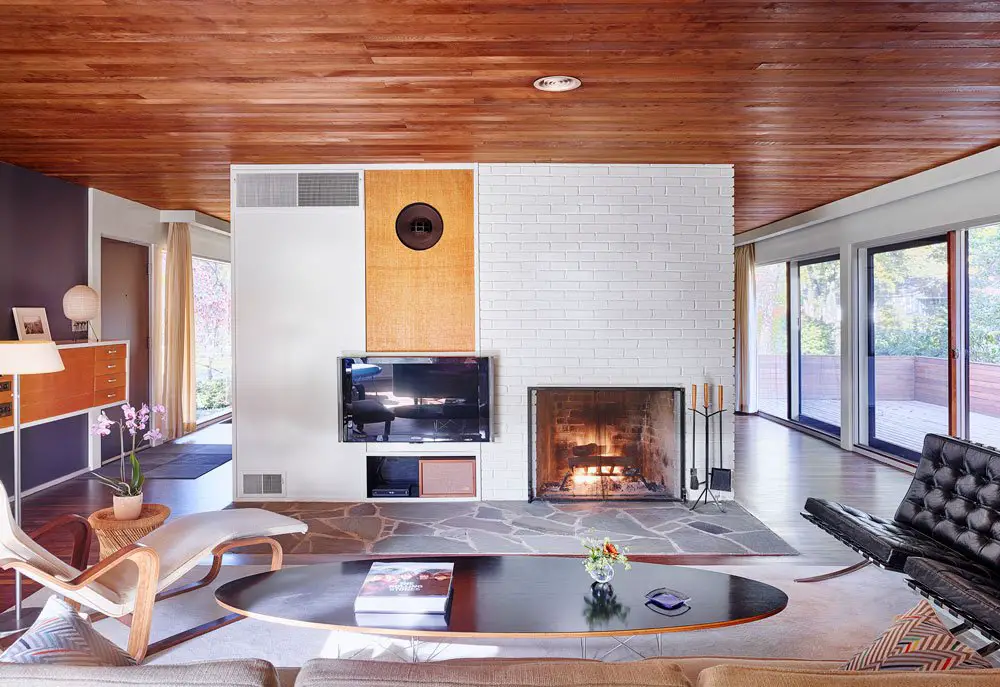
(81, 304)
(29, 357)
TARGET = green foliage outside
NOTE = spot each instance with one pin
(819, 299)
(910, 298)
(213, 343)
(984, 294)
(212, 394)
(911, 301)
(772, 308)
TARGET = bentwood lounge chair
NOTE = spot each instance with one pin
(126, 584)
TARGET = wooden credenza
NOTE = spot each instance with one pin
(96, 376)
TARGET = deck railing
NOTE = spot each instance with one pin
(897, 378)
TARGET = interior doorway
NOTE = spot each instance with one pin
(125, 316)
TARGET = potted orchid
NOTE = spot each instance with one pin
(128, 491)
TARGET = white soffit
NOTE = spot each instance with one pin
(199, 219)
(980, 164)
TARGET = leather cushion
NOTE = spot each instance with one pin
(954, 498)
(975, 594)
(888, 542)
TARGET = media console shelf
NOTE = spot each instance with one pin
(422, 476)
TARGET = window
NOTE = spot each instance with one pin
(908, 320)
(213, 342)
(772, 339)
(984, 335)
(819, 344)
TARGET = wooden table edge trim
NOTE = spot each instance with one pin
(444, 634)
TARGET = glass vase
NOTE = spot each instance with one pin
(602, 574)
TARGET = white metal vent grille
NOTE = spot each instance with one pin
(255, 484)
(289, 190)
(328, 190)
(266, 190)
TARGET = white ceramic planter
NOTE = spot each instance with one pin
(127, 507)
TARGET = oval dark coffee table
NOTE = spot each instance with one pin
(512, 596)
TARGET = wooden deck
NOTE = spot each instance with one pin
(904, 423)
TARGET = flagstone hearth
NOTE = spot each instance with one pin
(509, 527)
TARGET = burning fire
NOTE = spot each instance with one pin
(592, 474)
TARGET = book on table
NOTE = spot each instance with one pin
(403, 621)
(410, 588)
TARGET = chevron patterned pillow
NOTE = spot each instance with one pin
(61, 636)
(917, 641)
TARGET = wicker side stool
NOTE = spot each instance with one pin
(114, 534)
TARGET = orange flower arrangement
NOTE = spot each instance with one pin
(601, 554)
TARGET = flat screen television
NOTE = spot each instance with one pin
(415, 400)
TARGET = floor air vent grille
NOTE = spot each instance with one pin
(255, 484)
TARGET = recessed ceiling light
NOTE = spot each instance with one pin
(557, 84)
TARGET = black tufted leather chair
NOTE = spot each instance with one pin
(951, 512)
(945, 534)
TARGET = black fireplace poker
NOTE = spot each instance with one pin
(706, 492)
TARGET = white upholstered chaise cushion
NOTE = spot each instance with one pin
(181, 543)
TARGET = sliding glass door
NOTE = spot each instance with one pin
(819, 344)
(772, 339)
(908, 335)
(984, 334)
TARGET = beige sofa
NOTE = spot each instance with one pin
(655, 672)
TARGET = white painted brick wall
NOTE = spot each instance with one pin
(601, 274)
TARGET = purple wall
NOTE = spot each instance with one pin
(43, 252)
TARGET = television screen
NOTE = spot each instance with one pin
(414, 400)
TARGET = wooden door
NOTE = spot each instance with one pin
(125, 310)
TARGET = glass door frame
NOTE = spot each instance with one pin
(866, 435)
(819, 425)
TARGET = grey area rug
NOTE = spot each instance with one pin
(830, 620)
(514, 527)
(175, 461)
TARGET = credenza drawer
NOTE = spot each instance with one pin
(109, 396)
(108, 381)
(110, 352)
(105, 368)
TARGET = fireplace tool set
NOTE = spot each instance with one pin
(718, 478)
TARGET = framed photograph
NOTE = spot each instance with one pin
(32, 324)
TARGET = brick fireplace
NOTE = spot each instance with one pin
(606, 443)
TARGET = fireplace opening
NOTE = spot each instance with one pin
(595, 443)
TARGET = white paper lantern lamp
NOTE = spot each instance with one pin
(81, 304)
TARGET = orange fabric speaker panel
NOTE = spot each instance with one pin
(420, 300)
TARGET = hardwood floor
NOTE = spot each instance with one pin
(776, 469)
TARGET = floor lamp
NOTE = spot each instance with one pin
(23, 358)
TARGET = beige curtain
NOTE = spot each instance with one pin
(174, 352)
(746, 330)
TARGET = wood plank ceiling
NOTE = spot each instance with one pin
(811, 99)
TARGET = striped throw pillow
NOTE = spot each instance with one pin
(61, 636)
(917, 641)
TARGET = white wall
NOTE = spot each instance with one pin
(588, 274)
(299, 292)
(597, 274)
(964, 203)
